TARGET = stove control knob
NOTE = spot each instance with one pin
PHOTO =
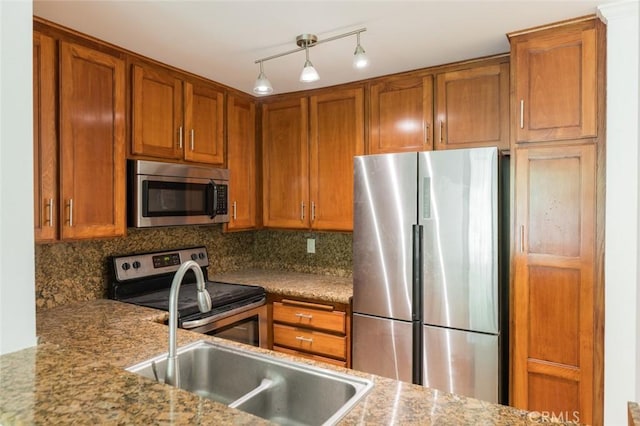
(201, 255)
(126, 266)
(136, 265)
(194, 256)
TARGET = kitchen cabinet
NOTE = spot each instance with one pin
(79, 173)
(557, 288)
(555, 76)
(92, 143)
(312, 329)
(176, 119)
(241, 155)
(308, 149)
(472, 107)
(45, 140)
(401, 114)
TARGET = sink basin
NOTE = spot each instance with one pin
(284, 392)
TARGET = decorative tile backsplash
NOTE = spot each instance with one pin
(74, 271)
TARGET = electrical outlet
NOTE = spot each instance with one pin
(311, 245)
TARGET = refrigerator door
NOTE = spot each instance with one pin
(461, 362)
(458, 211)
(385, 210)
(383, 347)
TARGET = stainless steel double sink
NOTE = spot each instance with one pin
(282, 391)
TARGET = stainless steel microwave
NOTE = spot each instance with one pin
(169, 194)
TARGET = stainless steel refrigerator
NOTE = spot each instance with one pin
(429, 298)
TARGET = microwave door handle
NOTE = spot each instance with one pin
(212, 206)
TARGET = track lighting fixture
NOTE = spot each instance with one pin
(309, 74)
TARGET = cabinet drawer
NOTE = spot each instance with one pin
(309, 341)
(301, 315)
(310, 356)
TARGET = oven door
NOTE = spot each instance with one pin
(247, 325)
(166, 201)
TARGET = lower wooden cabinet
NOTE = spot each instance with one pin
(312, 329)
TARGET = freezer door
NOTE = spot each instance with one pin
(458, 201)
(383, 347)
(385, 210)
(461, 362)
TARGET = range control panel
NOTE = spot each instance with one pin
(145, 265)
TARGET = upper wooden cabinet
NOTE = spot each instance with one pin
(308, 180)
(555, 77)
(472, 107)
(45, 141)
(176, 119)
(92, 143)
(401, 115)
(241, 156)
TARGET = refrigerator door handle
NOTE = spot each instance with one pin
(416, 314)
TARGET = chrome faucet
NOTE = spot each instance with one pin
(172, 375)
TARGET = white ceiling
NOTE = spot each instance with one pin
(221, 40)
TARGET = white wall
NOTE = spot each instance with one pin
(17, 286)
(622, 299)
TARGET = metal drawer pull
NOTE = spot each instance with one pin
(180, 137)
(50, 207)
(70, 204)
(313, 211)
(192, 139)
(301, 315)
(302, 210)
(522, 113)
(235, 210)
(304, 339)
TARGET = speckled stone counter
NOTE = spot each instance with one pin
(76, 376)
(311, 286)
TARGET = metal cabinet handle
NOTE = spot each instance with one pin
(313, 211)
(426, 133)
(302, 210)
(235, 210)
(521, 238)
(192, 139)
(304, 339)
(70, 205)
(522, 113)
(180, 137)
(441, 140)
(49, 205)
(306, 316)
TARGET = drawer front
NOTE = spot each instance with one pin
(310, 341)
(310, 356)
(307, 317)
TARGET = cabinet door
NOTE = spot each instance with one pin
(553, 290)
(45, 152)
(401, 115)
(285, 154)
(241, 154)
(157, 113)
(92, 138)
(337, 135)
(472, 108)
(556, 85)
(204, 124)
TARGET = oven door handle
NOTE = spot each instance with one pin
(218, 317)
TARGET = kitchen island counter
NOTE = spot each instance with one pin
(76, 375)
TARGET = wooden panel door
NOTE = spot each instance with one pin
(285, 156)
(241, 153)
(336, 135)
(157, 119)
(553, 290)
(45, 143)
(204, 123)
(556, 84)
(472, 107)
(401, 115)
(92, 138)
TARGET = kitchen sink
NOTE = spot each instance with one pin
(282, 391)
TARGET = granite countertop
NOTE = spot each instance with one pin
(76, 375)
(293, 284)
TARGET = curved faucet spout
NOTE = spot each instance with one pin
(172, 375)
